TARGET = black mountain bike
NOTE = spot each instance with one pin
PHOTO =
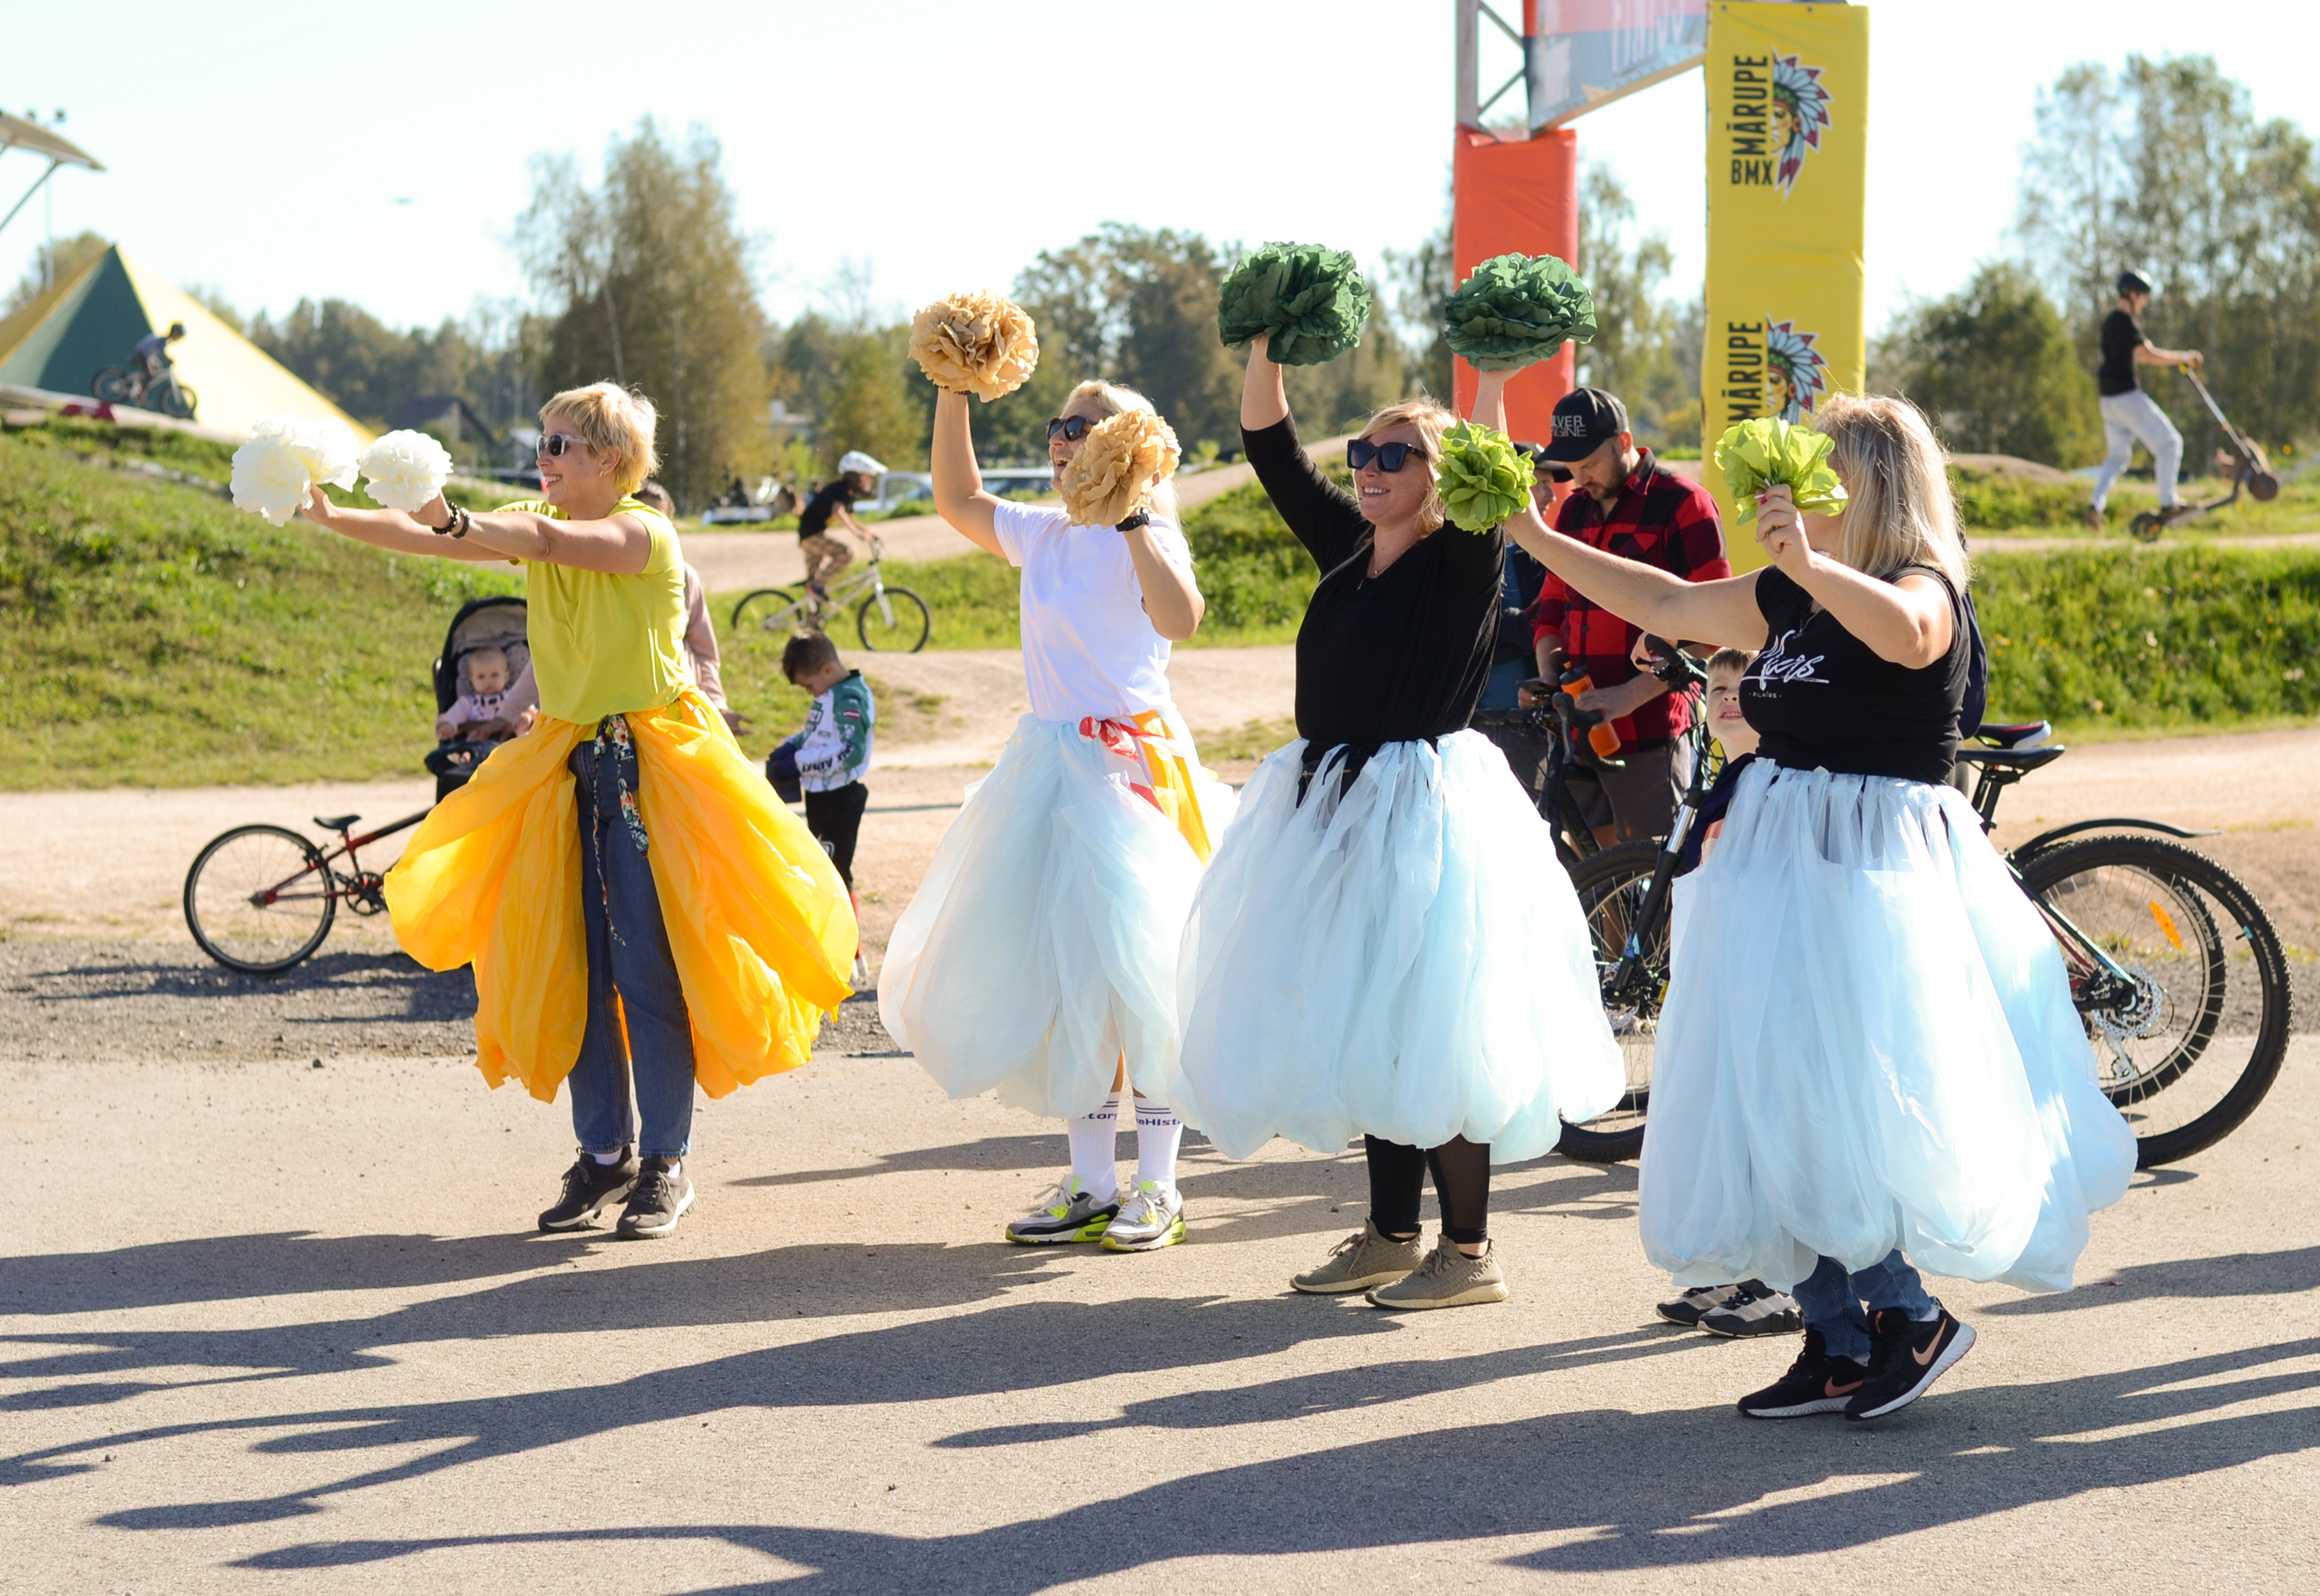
(162, 391)
(1553, 735)
(2174, 967)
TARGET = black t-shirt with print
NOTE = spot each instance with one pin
(1823, 700)
(814, 519)
(2121, 335)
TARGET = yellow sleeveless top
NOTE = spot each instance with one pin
(602, 644)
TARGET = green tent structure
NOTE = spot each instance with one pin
(57, 344)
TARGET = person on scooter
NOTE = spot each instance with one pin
(2129, 413)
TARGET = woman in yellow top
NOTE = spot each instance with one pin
(641, 912)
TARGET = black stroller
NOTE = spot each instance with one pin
(261, 898)
(495, 622)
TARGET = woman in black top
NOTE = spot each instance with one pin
(1869, 1046)
(1376, 948)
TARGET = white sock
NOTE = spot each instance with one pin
(609, 1159)
(1092, 1150)
(1157, 1132)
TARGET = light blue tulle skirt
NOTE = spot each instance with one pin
(1868, 1044)
(1042, 943)
(1405, 960)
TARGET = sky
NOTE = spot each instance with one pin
(271, 152)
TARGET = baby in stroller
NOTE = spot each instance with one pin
(484, 705)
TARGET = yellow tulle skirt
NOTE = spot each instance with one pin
(759, 924)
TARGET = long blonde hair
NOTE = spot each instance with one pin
(1112, 399)
(1431, 420)
(1898, 508)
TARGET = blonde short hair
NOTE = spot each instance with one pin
(1431, 420)
(1113, 399)
(612, 417)
(1898, 508)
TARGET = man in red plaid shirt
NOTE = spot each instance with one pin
(1625, 503)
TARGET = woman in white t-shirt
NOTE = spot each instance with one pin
(1039, 955)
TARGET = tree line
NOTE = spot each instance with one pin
(2162, 166)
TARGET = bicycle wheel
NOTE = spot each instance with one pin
(1612, 885)
(768, 609)
(895, 621)
(179, 401)
(111, 386)
(2189, 1043)
(259, 898)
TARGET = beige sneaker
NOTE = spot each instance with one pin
(1362, 1260)
(1448, 1278)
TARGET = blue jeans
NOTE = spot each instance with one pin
(629, 961)
(1831, 1301)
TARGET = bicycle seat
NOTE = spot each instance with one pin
(2016, 759)
(2022, 734)
(336, 822)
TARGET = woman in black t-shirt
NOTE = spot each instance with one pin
(1372, 950)
(1869, 1046)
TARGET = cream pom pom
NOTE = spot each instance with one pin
(1112, 475)
(405, 470)
(286, 457)
(977, 343)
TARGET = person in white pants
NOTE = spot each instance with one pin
(2129, 413)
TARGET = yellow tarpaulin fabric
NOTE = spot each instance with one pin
(1788, 174)
(759, 924)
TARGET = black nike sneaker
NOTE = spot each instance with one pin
(1815, 1383)
(1910, 1356)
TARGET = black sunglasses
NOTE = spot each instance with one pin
(1390, 456)
(1073, 427)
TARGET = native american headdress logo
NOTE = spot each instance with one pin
(1795, 374)
(1799, 112)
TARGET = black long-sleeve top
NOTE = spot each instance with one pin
(1387, 658)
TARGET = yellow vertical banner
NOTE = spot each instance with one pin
(1787, 119)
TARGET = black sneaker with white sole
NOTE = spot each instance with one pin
(1815, 1383)
(1754, 1309)
(1689, 1306)
(663, 1192)
(1910, 1356)
(588, 1187)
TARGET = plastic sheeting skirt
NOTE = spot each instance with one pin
(1404, 960)
(1868, 1044)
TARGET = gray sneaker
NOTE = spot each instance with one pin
(1754, 1309)
(1367, 1258)
(1152, 1218)
(1061, 1214)
(1448, 1278)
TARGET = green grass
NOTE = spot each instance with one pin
(1995, 506)
(2142, 640)
(153, 635)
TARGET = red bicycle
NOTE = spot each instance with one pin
(260, 899)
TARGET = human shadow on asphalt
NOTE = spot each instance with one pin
(323, 973)
(992, 1152)
(1630, 1491)
(2233, 1274)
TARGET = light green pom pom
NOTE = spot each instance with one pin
(1483, 480)
(1755, 455)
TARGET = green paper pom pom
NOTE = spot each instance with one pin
(1513, 311)
(1310, 300)
(1483, 480)
(1758, 454)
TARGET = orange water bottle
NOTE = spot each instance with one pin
(1600, 737)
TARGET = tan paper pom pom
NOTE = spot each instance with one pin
(1113, 475)
(977, 343)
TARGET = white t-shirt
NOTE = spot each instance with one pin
(1088, 646)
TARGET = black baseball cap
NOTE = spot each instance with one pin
(1585, 420)
(1536, 453)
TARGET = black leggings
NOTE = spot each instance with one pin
(1461, 1183)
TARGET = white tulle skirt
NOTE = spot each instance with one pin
(1868, 1044)
(1042, 943)
(1406, 960)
